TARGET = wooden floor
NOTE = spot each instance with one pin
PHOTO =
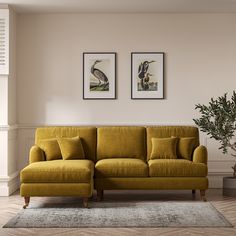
(9, 206)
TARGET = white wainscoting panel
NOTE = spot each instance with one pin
(25, 141)
(9, 174)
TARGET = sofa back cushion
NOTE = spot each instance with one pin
(121, 142)
(170, 131)
(88, 136)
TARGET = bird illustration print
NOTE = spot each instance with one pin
(103, 82)
(143, 74)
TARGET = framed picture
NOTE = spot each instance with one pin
(147, 75)
(99, 75)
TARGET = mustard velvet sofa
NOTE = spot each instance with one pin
(115, 158)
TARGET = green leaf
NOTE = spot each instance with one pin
(218, 119)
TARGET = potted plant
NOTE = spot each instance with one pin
(218, 120)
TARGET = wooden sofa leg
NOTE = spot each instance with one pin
(193, 192)
(99, 195)
(27, 200)
(85, 202)
(203, 195)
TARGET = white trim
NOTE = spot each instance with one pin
(216, 181)
(219, 173)
(224, 160)
(14, 184)
(4, 127)
(34, 126)
(8, 127)
(9, 184)
(10, 177)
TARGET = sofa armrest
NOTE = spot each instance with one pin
(200, 155)
(36, 154)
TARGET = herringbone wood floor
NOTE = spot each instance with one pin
(9, 206)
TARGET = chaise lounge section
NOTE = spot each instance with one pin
(60, 177)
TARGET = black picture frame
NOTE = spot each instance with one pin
(147, 75)
(101, 83)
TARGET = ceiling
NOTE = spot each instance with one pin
(122, 6)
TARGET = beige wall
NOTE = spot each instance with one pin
(200, 57)
(200, 62)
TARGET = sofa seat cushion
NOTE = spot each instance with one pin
(176, 168)
(58, 171)
(121, 167)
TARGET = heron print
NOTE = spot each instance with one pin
(98, 78)
(146, 80)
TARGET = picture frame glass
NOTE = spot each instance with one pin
(147, 77)
(99, 75)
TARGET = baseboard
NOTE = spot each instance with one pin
(216, 179)
(9, 184)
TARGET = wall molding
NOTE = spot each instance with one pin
(8, 127)
(4, 178)
(9, 184)
(34, 126)
(8, 152)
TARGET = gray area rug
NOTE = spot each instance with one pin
(121, 215)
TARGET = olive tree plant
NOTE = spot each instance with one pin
(218, 120)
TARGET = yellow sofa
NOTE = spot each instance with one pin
(115, 158)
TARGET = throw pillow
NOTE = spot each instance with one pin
(164, 148)
(71, 148)
(51, 149)
(185, 147)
